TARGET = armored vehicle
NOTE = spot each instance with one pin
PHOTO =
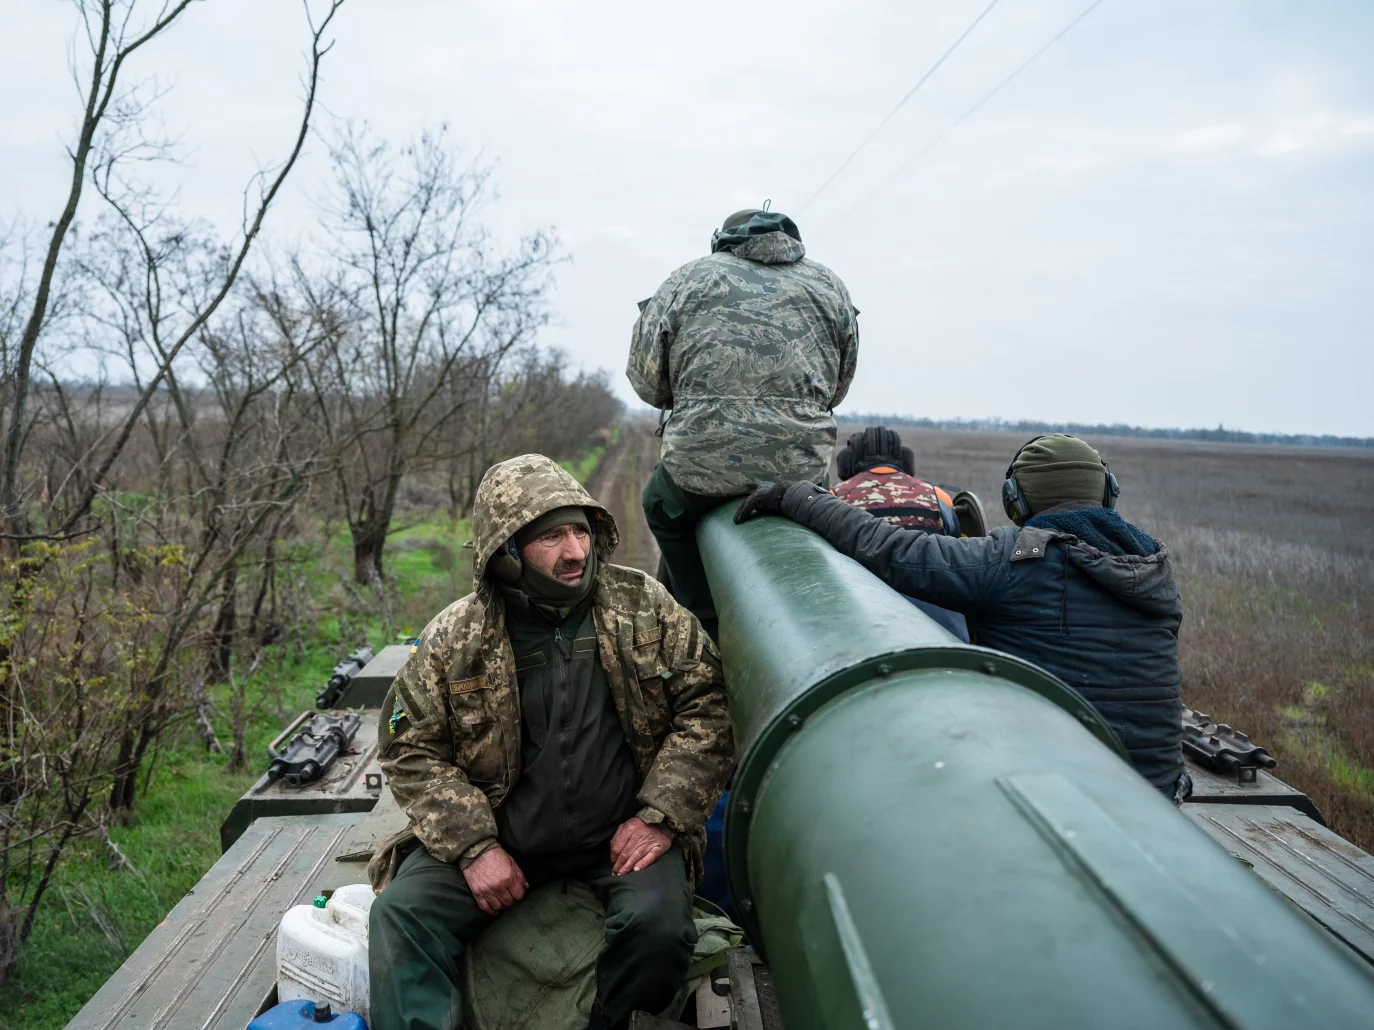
(920, 833)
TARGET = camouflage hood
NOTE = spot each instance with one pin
(516, 492)
(774, 248)
(768, 237)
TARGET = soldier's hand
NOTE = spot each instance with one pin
(495, 880)
(765, 500)
(637, 845)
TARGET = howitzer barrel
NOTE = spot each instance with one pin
(923, 833)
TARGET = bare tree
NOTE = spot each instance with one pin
(104, 586)
(110, 135)
(537, 404)
(434, 308)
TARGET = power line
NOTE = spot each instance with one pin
(910, 93)
(971, 111)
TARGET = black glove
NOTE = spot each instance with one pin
(765, 500)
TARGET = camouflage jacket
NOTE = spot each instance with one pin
(450, 728)
(900, 499)
(749, 351)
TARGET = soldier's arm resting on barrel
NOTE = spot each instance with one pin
(962, 574)
(696, 758)
(451, 817)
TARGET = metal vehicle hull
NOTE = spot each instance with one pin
(927, 834)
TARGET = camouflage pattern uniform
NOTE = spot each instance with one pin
(450, 727)
(900, 499)
(749, 351)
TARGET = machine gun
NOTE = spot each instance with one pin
(342, 676)
(1223, 748)
(312, 748)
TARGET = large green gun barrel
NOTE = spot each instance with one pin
(927, 834)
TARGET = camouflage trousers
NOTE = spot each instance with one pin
(424, 918)
(673, 514)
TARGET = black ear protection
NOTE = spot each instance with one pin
(1113, 488)
(908, 461)
(844, 463)
(1014, 501)
(505, 564)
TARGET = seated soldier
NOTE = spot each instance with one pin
(1076, 589)
(878, 475)
(746, 350)
(566, 720)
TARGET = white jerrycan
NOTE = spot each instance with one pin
(322, 950)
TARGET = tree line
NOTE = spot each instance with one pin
(1030, 426)
(177, 406)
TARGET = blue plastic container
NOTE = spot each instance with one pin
(300, 1015)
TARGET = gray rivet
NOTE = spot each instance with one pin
(990, 668)
(795, 721)
(744, 806)
(884, 669)
(747, 904)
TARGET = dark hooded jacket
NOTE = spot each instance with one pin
(1106, 624)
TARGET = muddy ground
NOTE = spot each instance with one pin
(617, 481)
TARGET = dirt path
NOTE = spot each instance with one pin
(617, 481)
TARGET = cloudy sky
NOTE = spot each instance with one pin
(1167, 219)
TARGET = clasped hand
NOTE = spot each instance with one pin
(765, 500)
(497, 882)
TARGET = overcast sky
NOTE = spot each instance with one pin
(1168, 219)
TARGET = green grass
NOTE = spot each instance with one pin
(581, 467)
(1309, 735)
(94, 916)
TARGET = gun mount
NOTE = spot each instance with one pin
(1222, 748)
(926, 833)
(315, 745)
(342, 676)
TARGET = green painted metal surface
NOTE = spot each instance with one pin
(351, 783)
(924, 834)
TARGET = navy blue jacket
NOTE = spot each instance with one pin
(1107, 625)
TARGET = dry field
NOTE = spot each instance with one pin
(1274, 552)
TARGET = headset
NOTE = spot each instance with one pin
(507, 565)
(1014, 501)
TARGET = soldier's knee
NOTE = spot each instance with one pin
(656, 921)
(403, 903)
(389, 910)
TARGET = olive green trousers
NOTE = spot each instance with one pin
(673, 514)
(424, 918)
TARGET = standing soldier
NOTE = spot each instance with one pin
(747, 350)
